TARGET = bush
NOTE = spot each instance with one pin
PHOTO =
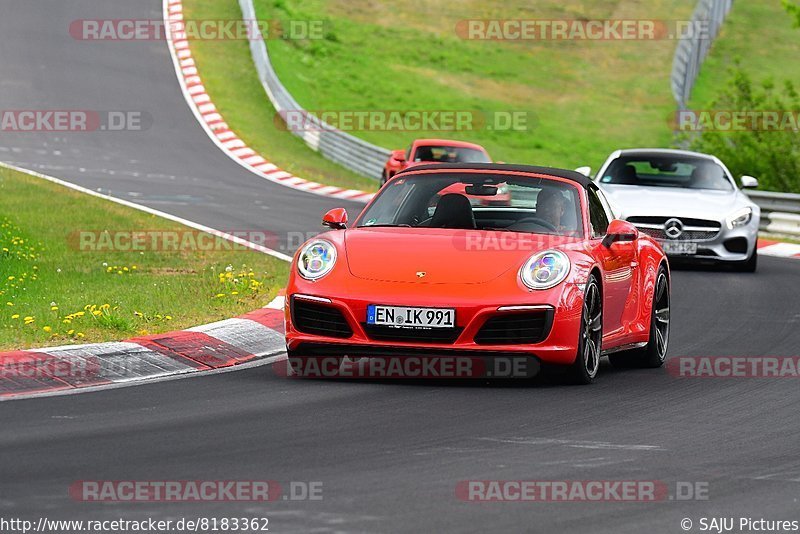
(771, 156)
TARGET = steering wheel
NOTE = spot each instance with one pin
(538, 221)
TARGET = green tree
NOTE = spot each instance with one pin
(772, 156)
(793, 9)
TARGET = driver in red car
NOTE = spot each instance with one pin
(550, 207)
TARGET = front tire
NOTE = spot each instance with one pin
(750, 265)
(587, 360)
(655, 353)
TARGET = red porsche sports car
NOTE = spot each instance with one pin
(550, 277)
(424, 151)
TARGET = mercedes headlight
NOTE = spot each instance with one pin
(316, 259)
(739, 218)
(545, 270)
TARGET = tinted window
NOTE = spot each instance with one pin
(667, 171)
(478, 201)
(448, 154)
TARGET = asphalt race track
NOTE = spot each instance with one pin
(172, 166)
(389, 455)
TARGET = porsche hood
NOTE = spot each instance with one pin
(437, 256)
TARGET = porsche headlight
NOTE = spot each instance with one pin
(739, 218)
(545, 270)
(316, 259)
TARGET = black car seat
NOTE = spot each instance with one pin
(626, 176)
(453, 211)
(424, 153)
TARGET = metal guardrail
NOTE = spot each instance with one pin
(347, 150)
(776, 202)
(780, 212)
(708, 17)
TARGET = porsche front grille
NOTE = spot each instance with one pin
(516, 328)
(319, 319)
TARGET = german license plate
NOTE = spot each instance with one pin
(405, 317)
(678, 248)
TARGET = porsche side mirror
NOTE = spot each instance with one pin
(748, 182)
(335, 219)
(399, 155)
(620, 232)
(586, 171)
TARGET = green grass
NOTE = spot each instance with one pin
(761, 37)
(230, 78)
(588, 98)
(52, 292)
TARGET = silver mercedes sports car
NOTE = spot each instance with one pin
(688, 201)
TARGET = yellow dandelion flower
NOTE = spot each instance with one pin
(47, 329)
(15, 316)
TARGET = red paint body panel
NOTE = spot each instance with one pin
(380, 266)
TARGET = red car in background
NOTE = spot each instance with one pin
(426, 151)
(434, 151)
(418, 273)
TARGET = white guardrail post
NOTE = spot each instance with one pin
(347, 150)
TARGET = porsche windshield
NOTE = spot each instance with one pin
(667, 171)
(478, 202)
